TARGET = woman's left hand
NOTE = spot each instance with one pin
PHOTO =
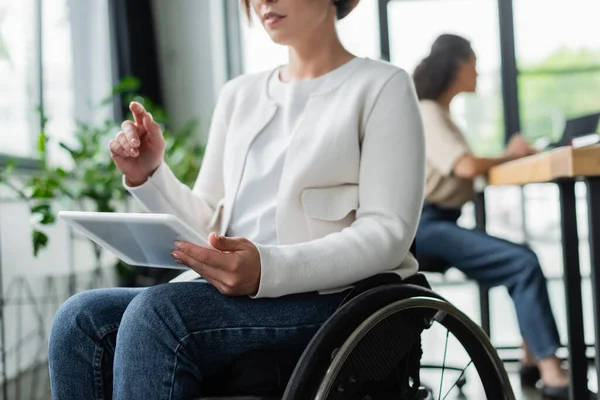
(233, 266)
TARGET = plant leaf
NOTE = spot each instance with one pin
(41, 192)
(48, 218)
(61, 173)
(40, 241)
(73, 153)
(8, 168)
(42, 140)
(40, 208)
(127, 84)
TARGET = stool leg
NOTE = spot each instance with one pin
(484, 309)
(484, 294)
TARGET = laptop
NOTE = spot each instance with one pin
(576, 127)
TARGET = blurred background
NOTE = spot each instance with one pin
(68, 68)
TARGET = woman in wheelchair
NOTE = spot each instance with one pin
(312, 180)
(448, 70)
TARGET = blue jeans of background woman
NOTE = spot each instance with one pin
(493, 262)
(160, 342)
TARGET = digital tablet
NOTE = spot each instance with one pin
(140, 239)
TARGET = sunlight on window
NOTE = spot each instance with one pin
(559, 64)
(71, 65)
(414, 26)
(58, 71)
(77, 68)
(571, 24)
(19, 77)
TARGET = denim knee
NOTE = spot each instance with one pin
(71, 319)
(150, 308)
(527, 270)
(84, 312)
(73, 313)
(530, 264)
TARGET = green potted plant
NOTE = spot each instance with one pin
(93, 182)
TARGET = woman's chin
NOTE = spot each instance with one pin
(279, 41)
(278, 37)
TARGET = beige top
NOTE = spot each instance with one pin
(445, 145)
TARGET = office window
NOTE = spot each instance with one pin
(558, 60)
(413, 27)
(19, 76)
(63, 47)
(359, 32)
(558, 57)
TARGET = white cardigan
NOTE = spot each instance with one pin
(352, 184)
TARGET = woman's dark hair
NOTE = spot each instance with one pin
(438, 70)
(343, 7)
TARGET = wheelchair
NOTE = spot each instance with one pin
(369, 349)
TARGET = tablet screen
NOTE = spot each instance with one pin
(150, 243)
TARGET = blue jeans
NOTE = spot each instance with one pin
(493, 262)
(160, 342)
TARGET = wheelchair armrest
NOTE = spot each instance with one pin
(387, 278)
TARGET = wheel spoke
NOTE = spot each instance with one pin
(443, 365)
(456, 382)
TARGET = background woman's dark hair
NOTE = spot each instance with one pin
(343, 7)
(438, 70)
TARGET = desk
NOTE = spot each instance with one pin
(564, 166)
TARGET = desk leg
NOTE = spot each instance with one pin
(572, 278)
(593, 197)
(484, 292)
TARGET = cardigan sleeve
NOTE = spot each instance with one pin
(164, 193)
(391, 188)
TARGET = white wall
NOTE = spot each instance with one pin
(25, 276)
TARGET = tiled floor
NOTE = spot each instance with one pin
(474, 391)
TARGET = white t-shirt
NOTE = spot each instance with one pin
(255, 209)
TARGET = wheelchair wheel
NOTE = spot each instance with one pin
(375, 352)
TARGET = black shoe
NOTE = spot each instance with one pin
(558, 393)
(530, 375)
(555, 392)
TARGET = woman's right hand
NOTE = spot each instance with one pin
(139, 148)
(518, 147)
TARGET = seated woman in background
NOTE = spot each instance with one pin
(448, 70)
(312, 180)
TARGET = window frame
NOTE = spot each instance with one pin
(233, 39)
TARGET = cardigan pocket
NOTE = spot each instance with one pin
(331, 203)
